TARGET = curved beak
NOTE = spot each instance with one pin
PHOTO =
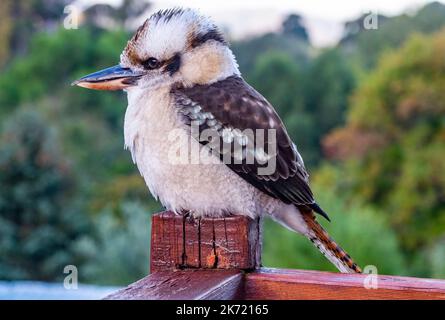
(114, 78)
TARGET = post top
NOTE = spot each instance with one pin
(207, 243)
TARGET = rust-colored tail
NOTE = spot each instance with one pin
(327, 246)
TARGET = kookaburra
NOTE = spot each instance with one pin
(206, 143)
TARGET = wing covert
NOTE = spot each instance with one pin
(249, 136)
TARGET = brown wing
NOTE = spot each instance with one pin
(230, 108)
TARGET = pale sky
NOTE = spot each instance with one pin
(323, 18)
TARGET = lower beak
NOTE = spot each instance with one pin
(114, 78)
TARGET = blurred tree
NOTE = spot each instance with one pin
(311, 101)
(279, 79)
(40, 76)
(374, 244)
(107, 16)
(436, 259)
(366, 46)
(121, 254)
(5, 30)
(123, 188)
(293, 26)
(394, 140)
(329, 82)
(354, 28)
(248, 51)
(21, 19)
(39, 219)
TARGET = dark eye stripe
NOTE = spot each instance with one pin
(172, 65)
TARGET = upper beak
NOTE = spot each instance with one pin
(114, 78)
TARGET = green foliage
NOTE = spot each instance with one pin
(436, 259)
(330, 81)
(121, 254)
(6, 26)
(129, 10)
(328, 85)
(89, 122)
(368, 45)
(374, 244)
(293, 26)
(21, 19)
(395, 138)
(40, 220)
(248, 51)
(286, 93)
(74, 56)
(310, 99)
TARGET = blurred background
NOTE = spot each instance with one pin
(359, 84)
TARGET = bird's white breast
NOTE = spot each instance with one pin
(153, 134)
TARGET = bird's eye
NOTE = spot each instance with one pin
(151, 63)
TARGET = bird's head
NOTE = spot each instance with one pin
(172, 46)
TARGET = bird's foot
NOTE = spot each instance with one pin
(190, 218)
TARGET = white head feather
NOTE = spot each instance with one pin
(203, 53)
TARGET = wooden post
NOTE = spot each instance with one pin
(198, 259)
(206, 243)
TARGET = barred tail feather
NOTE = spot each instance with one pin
(327, 246)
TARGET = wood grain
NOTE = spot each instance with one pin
(281, 284)
(184, 285)
(218, 243)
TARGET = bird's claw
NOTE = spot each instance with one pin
(190, 218)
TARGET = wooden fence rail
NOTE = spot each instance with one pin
(221, 259)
